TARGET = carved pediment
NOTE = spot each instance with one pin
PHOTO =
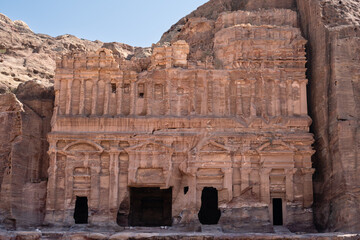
(83, 146)
(276, 146)
(150, 147)
(214, 147)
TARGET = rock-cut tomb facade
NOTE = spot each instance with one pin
(225, 141)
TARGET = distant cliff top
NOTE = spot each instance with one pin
(25, 55)
(335, 12)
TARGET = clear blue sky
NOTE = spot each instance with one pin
(134, 22)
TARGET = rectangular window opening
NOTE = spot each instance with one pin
(141, 90)
(113, 87)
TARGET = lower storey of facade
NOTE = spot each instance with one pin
(242, 182)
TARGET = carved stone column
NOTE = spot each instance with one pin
(107, 98)
(119, 93)
(82, 97)
(274, 98)
(228, 183)
(95, 188)
(123, 175)
(303, 99)
(236, 181)
(238, 99)
(289, 96)
(69, 184)
(265, 185)
(68, 97)
(277, 98)
(252, 100)
(308, 186)
(51, 189)
(114, 181)
(94, 98)
(245, 174)
(289, 183)
(133, 97)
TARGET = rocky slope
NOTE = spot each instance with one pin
(25, 55)
(332, 28)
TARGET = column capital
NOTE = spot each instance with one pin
(307, 171)
(291, 171)
(265, 171)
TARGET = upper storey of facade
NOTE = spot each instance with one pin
(254, 76)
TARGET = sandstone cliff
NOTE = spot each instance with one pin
(333, 31)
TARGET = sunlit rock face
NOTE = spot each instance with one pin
(224, 130)
(216, 112)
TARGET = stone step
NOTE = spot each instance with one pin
(211, 229)
(282, 230)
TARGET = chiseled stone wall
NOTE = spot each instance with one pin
(236, 121)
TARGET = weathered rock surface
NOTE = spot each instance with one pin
(27, 66)
(244, 136)
(24, 160)
(25, 55)
(332, 29)
(160, 234)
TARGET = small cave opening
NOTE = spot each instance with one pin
(277, 211)
(150, 207)
(209, 213)
(81, 210)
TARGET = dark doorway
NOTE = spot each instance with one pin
(150, 207)
(277, 211)
(81, 210)
(209, 212)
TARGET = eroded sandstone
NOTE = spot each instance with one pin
(233, 125)
(331, 28)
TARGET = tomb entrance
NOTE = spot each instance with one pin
(81, 210)
(150, 207)
(209, 212)
(277, 211)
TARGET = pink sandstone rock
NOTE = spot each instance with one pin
(163, 99)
